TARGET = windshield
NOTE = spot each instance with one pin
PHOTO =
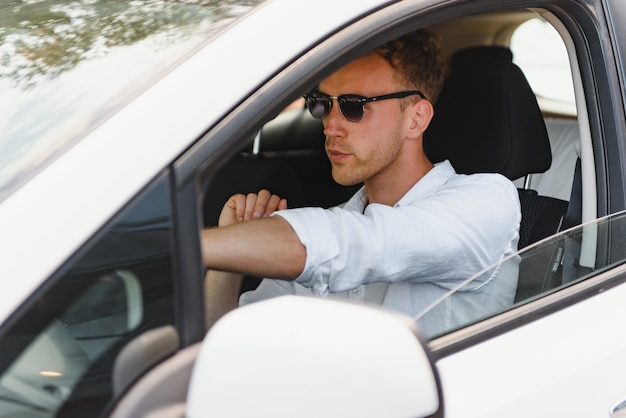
(534, 272)
(67, 66)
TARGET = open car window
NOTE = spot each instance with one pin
(548, 266)
(287, 157)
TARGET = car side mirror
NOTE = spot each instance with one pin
(307, 357)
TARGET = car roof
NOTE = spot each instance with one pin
(49, 217)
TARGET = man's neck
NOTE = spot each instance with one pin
(389, 188)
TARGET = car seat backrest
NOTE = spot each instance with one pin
(245, 173)
(487, 120)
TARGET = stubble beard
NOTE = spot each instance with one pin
(359, 170)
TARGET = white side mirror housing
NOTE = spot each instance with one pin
(307, 357)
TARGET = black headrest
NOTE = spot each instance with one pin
(487, 118)
(293, 130)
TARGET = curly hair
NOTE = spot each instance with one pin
(419, 61)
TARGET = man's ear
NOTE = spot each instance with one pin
(421, 113)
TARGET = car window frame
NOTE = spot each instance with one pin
(228, 135)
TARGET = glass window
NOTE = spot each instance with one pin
(57, 355)
(557, 262)
(540, 52)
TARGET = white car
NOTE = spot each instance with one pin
(125, 125)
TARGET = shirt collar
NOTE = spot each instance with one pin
(425, 187)
(429, 184)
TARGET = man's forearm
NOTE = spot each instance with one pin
(221, 294)
(266, 247)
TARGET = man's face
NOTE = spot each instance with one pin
(367, 149)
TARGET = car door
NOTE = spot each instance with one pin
(528, 370)
(557, 352)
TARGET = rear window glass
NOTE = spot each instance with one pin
(540, 52)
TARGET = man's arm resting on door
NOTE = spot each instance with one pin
(264, 247)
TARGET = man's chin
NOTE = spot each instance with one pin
(345, 180)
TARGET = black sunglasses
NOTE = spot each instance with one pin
(350, 105)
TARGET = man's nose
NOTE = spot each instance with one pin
(333, 121)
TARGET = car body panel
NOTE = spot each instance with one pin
(543, 369)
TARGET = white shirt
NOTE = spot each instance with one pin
(445, 229)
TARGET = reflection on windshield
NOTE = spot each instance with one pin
(66, 66)
(483, 295)
(41, 39)
(536, 271)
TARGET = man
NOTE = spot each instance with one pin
(410, 235)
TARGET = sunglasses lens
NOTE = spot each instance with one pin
(351, 106)
(352, 111)
(318, 106)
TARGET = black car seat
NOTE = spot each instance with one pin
(487, 120)
(246, 173)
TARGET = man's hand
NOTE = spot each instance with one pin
(240, 208)
(221, 287)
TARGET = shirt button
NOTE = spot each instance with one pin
(357, 291)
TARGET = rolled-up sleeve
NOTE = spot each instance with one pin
(314, 227)
(460, 229)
